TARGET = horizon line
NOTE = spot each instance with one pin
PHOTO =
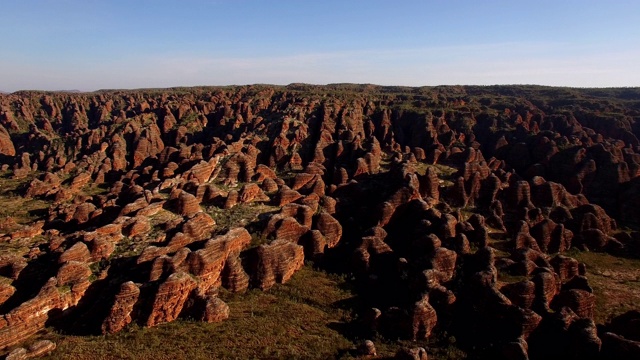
(176, 87)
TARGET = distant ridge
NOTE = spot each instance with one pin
(24, 91)
(359, 87)
(74, 91)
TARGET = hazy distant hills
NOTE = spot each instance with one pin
(48, 91)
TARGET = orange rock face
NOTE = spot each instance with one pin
(277, 262)
(203, 170)
(216, 310)
(170, 298)
(78, 252)
(251, 192)
(286, 196)
(187, 204)
(424, 319)
(6, 145)
(330, 228)
(285, 228)
(234, 277)
(199, 227)
(6, 291)
(120, 313)
(32, 315)
(208, 263)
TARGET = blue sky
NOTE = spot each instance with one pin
(97, 44)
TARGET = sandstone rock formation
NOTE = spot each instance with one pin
(120, 313)
(449, 209)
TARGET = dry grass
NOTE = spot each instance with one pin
(22, 212)
(13, 204)
(93, 189)
(296, 320)
(307, 318)
(615, 281)
(239, 215)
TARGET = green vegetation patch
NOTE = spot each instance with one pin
(95, 189)
(12, 203)
(239, 215)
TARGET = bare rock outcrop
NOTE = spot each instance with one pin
(424, 319)
(187, 204)
(411, 354)
(171, 298)
(208, 263)
(120, 314)
(277, 262)
(199, 227)
(6, 145)
(329, 227)
(215, 310)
